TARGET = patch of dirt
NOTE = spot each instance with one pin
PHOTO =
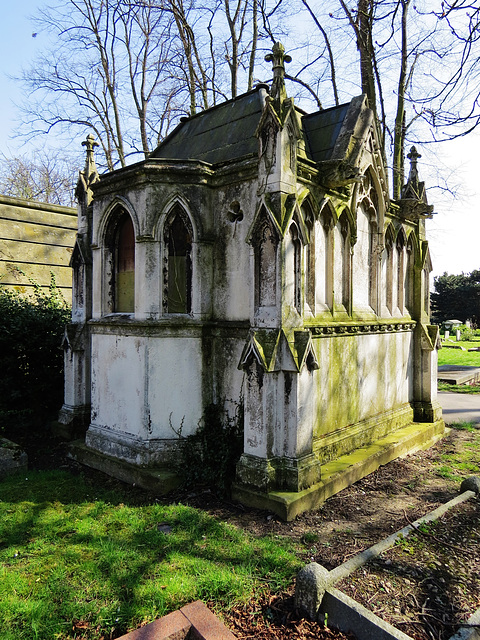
(359, 516)
(426, 594)
(418, 592)
(273, 616)
(429, 582)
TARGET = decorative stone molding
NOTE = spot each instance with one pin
(360, 328)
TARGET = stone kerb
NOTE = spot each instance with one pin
(316, 596)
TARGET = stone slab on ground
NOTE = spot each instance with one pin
(12, 458)
(193, 622)
(458, 374)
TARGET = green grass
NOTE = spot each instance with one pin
(457, 464)
(82, 563)
(459, 388)
(457, 356)
(462, 358)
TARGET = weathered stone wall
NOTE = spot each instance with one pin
(36, 239)
(374, 370)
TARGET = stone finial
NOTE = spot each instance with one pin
(414, 197)
(90, 167)
(278, 57)
(89, 175)
(413, 156)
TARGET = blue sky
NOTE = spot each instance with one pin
(17, 49)
(454, 233)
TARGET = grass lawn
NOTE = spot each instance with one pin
(77, 562)
(457, 356)
(459, 464)
(463, 358)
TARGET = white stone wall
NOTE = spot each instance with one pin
(144, 386)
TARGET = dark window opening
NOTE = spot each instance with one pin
(178, 241)
(125, 267)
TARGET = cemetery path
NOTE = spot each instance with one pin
(459, 407)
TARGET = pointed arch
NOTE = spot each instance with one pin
(265, 239)
(342, 260)
(310, 254)
(388, 259)
(364, 261)
(178, 238)
(293, 267)
(411, 252)
(325, 257)
(176, 201)
(400, 247)
(375, 192)
(102, 233)
(117, 232)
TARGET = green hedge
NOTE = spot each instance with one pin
(31, 357)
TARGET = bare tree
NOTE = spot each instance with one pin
(453, 109)
(397, 45)
(45, 178)
(126, 69)
(110, 60)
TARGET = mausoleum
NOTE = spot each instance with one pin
(255, 258)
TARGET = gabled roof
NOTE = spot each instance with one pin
(224, 132)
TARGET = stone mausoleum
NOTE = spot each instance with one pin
(255, 258)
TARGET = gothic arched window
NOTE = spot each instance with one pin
(342, 263)
(265, 246)
(324, 267)
(388, 283)
(124, 259)
(294, 267)
(310, 280)
(178, 236)
(410, 276)
(401, 273)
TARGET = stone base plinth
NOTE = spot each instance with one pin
(344, 471)
(159, 480)
(72, 422)
(289, 474)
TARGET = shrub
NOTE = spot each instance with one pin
(31, 358)
(466, 333)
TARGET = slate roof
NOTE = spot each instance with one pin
(227, 131)
(224, 132)
(322, 130)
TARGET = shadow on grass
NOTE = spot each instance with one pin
(80, 561)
